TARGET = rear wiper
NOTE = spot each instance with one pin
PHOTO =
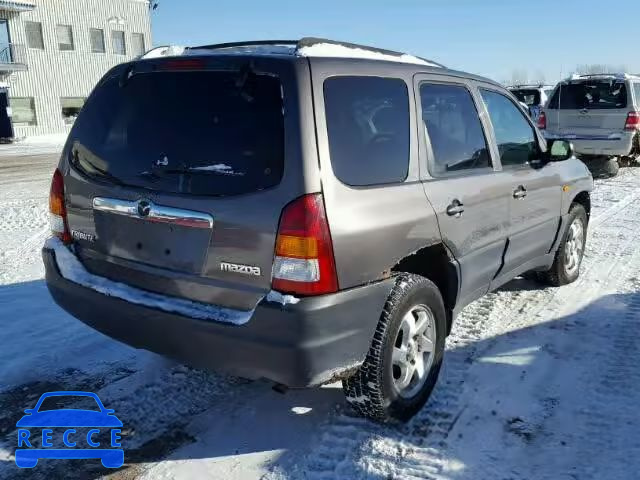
(76, 162)
(184, 171)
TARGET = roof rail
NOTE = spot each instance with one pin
(308, 42)
(595, 75)
(250, 43)
(529, 85)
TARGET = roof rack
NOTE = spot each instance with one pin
(529, 85)
(308, 42)
(618, 76)
(250, 43)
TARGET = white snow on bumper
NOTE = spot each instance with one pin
(72, 270)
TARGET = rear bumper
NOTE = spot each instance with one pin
(618, 144)
(299, 345)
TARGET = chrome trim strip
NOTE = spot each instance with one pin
(157, 213)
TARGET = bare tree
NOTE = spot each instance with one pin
(519, 76)
(596, 68)
(539, 78)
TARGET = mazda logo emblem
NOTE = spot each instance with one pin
(144, 208)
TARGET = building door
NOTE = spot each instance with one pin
(6, 127)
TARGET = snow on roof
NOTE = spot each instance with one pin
(307, 47)
(332, 50)
(611, 76)
(167, 51)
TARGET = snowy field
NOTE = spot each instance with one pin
(36, 145)
(538, 383)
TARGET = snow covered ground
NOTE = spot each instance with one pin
(538, 383)
(36, 145)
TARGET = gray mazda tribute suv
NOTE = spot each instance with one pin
(305, 212)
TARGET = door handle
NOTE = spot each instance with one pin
(455, 209)
(520, 192)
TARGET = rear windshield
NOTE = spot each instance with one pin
(200, 133)
(529, 97)
(592, 94)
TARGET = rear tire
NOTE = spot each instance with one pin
(606, 168)
(376, 390)
(568, 258)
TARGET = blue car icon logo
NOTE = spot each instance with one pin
(61, 440)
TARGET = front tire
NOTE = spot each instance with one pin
(568, 258)
(404, 359)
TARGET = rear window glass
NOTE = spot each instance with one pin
(200, 133)
(593, 94)
(527, 96)
(368, 127)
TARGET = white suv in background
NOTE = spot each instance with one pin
(600, 115)
(535, 97)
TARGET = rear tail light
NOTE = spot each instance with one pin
(542, 121)
(633, 121)
(304, 262)
(57, 209)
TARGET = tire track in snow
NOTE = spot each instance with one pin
(581, 422)
(416, 449)
(611, 416)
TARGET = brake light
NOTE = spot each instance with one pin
(304, 262)
(633, 121)
(57, 209)
(542, 121)
(182, 64)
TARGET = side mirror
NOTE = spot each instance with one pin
(559, 150)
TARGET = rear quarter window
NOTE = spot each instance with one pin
(368, 129)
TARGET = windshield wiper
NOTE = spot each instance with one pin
(155, 171)
(76, 162)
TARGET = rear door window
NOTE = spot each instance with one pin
(591, 94)
(368, 128)
(199, 133)
(454, 130)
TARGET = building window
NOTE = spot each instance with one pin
(34, 35)
(137, 44)
(23, 111)
(97, 40)
(71, 107)
(65, 37)
(119, 46)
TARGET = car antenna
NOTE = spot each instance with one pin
(559, 100)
